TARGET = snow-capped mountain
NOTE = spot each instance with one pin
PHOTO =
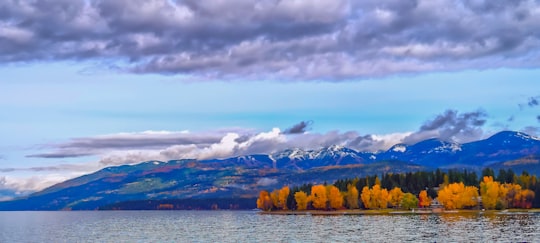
(436, 153)
(305, 159)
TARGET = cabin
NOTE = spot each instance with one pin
(436, 206)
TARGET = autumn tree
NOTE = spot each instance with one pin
(366, 197)
(490, 192)
(264, 202)
(424, 200)
(274, 196)
(301, 200)
(395, 196)
(375, 197)
(525, 199)
(335, 198)
(282, 197)
(409, 201)
(318, 197)
(457, 196)
(377, 181)
(351, 196)
(384, 197)
(516, 197)
(469, 197)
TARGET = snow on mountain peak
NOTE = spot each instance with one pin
(525, 136)
(335, 148)
(447, 147)
(399, 148)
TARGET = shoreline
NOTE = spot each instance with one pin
(399, 212)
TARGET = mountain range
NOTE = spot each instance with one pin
(244, 176)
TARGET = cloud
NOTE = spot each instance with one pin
(266, 181)
(533, 131)
(451, 126)
(61, 167)
(59, 155)
(329, 40)
(301, 127)
(533, 101)
(131, 148)
(259, 143)
(538, 118)
(79, 147)
(25, 185)
(2, 182)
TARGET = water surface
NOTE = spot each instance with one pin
(248, 226)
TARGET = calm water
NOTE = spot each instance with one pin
(247, 226)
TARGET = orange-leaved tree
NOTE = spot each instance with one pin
(264, 202)
(424, 200)
(525, 199)
(366, 197)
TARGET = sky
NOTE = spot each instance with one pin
(86, 84)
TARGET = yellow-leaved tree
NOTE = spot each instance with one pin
(274, 196)
(335, 197)
(395, 197)
(366, 197)
(282, 198)
(301, 199)
(352, 196)
(457, 196)
(375, 197)
(318, 197)
(490, 192)
(469, 197)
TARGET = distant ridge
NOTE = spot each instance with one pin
(244, 176)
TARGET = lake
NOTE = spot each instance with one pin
(248, 226)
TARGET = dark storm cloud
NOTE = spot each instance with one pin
(299, 128)
(451, 126)
(294, 40)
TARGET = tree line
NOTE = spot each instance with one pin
(453, 189)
